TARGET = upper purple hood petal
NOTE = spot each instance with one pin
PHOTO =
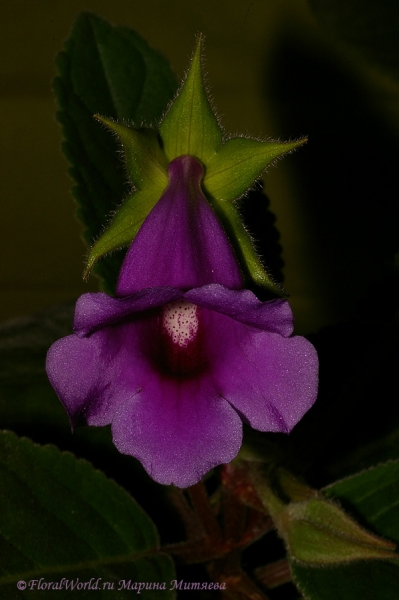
(94, 311)
(181, 243)
(242, 305)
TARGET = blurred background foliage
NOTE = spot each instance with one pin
(324, 68)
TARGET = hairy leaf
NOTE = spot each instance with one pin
(61, 518)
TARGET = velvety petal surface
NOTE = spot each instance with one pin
(76, 370)
(181, 243)
(94, 375)
(180, 425)
(96, 310)
(178, 430)
(270, 380)
(242, 305)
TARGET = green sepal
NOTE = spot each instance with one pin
(239, 163)
(190, 126)
(146, 163)
(229, 174)
(125, 224)
(253, 270)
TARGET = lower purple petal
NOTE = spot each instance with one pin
(179, 430)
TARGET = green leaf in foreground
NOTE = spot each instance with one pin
(61, 518)
(372, 497)
(109, 71)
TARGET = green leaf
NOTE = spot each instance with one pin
(375, 496)
(372, 497)
(26, 397)
(62, 518)
(110, 71)
(371, 26)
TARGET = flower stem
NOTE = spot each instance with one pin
(202, 506)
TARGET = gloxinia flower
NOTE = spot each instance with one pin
(182, 356)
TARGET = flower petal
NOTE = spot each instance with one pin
(242, 305)
(181, 243)
(72, 368)
(92, 375)
(96, 310)
(270, 380)
(179, 430)
(180, 426)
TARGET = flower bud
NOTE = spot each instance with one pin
(317, 531)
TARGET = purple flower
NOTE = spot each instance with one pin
(183, 355)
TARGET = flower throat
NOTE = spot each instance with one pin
(180, 349)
